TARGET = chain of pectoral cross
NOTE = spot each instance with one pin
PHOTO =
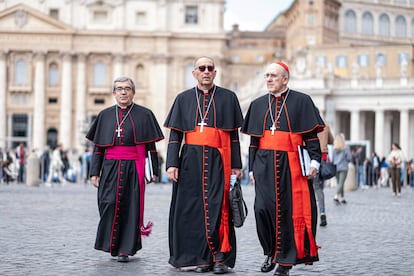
(203, 117)
(118, 129)
(273, 127)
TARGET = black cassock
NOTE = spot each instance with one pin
(196, 203)
(121, 188)
(276, 172)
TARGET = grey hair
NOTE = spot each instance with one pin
(122, 79)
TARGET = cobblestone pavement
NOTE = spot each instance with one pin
(51, 231)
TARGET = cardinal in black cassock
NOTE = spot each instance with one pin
(285, 208)
(207, 118)
(124, 135)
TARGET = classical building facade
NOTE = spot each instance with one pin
(355, 58)
(58, 60)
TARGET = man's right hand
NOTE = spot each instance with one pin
(172, 173)
(95, 181)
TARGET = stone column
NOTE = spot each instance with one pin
(39, 102)
(118, 70)
(65, 134)
(159, 104)
(330, 114)
(3, 105)
(354, 125)
(29, 138)
(362, 132)
(379, 133)
(387, 133)
(404, 131)
(80, 101)
(9, 118)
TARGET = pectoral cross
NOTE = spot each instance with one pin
(202, 124)
(118, 131)
(273, 128)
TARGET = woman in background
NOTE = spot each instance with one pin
(341, 156)
(395, 159)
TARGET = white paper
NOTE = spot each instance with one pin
(305, 160)
(149, 173)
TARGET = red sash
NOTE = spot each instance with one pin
(301, 204)
(138, 154)
(219, 139)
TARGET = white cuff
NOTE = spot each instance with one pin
(315, 164)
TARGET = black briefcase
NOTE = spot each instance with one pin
(237, 205)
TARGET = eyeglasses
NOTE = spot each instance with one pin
(126, 89)
(202, 68)
(270, 75)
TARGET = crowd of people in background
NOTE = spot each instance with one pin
(393, 170)
(203, 153)
(55, 165)
(371, 172)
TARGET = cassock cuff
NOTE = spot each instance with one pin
(315, 164)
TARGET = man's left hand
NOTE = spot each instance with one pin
(237, 172)
(312, 173)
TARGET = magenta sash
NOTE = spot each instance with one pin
(139, 154)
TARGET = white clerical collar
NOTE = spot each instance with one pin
(278, 94)
(206, 91)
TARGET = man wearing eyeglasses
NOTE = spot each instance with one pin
(207, 117)
(280, 123)
(123, 136)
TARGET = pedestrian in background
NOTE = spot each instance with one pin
(1, 164)
(207, 117)
(376, 162)
(325, 138)
(7, 173)
(66, 165)
(358, 160)
(123, 136)
(21, 156)
(341, 156)
(411, 172)
(395, 160)
(384, 173)
(368, 172)
(45, 164)
(55, 167)
(86, 164)
(278, 123)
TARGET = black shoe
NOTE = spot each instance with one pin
(220, 268)
(282, 270)
(268, 264)
(337, 201)
(343, 201)
(202, 269)
(123, 258)
(323, 220)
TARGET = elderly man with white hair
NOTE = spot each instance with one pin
(280, 123)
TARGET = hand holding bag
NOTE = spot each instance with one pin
(327, 170)
(237, 205)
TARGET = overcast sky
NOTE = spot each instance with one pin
(253, 15)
